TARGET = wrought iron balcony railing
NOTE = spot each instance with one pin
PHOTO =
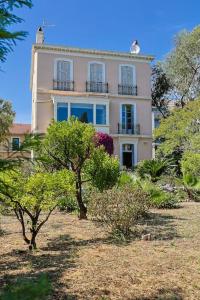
(63, 85)
(129, 129)
(96, 87)
(127, 89)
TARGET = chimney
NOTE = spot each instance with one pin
(40, 36)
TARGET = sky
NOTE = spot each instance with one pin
(102, 24)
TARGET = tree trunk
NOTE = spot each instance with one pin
(32, 244)
(82, 207)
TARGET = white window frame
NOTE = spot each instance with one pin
(84, 101)
(103, 68)
(134, 73)
(131, 142)
(65, 60)
(14, 137)
(135, 111)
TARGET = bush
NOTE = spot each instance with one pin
(151, 169)
(106, 140)
(26, 290)
(119, 209)
(68, 204)
(125, 178)
(157, 197)
(190, 164)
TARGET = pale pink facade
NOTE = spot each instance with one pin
(124, 112)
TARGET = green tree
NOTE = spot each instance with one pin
(182, 66)
(8, 38)
(71, 145)
(180, 132)
(161, 86)
(33, 195)
(6, 118)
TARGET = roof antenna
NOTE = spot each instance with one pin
(45, 24)
(40, 32)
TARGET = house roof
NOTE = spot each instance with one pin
(18, 128)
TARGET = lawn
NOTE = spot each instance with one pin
(84, 263)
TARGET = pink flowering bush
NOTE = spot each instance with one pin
(106, 140)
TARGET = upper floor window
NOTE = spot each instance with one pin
(127, 80)
(63, 75)
(96, 72)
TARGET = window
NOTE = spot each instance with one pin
(62, 112)
(83, 111)
(127, 76)
(96, 72)
(63, 70)
(101, 114)
(128, 118)
(15, 144)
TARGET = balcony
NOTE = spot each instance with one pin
(127, 89)
(96, 87)
(130, 129)
(63, 85)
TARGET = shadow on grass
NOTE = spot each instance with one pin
(164, 294)
(30, 266)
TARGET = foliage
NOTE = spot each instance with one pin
(106, 140)
(7, 19)
(182, 66)
(31, 194)
(180, 132)
(119, 209)
(71, 145)
(68, 204)
(160, 87)
(28, 289)
(152, 169)
(157, 197)
(192, 186)
(125, 179)
(6, 118)
(190, 163)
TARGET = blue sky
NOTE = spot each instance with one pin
(102, 24)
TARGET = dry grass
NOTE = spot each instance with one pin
(83, 263)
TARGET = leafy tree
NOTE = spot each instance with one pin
(32, 193)
(190, 164)
(71, 145)
(6, 118)
(182, 66)
(8, 38)
(180, 132)
(152, 169)
(106, 140)
(160, 88)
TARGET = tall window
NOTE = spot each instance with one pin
(83, 111)
(128, 155)
(62, 112)
(63, 70)
(128, 118)
(15, 144)
(128, 75)
(96, 72)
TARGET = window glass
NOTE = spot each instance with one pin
(15, 144)
(96, 72)
(62, 111)
(100, 114)
(127, 116)
(83, 111)
(127, 75)
(63, 70)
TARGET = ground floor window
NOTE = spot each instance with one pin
(128, 155)
(83, 111)
(15, 144)
(62, 111)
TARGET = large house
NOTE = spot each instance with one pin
(109, 89)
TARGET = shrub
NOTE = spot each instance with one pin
(125, 178)
(157, 197)
(68, 204)
(106, 140)
(119, 209)
(190, 164)
(27, 290)
(151, 169)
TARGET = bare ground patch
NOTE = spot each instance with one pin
(84, 263)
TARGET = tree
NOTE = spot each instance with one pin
(160, 88)
(8, 18)
(71, 145)
(180, 132)
(182, 66)
(105, 140)
(6, 118)
(32, 193)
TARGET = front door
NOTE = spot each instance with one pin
(128, 155)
